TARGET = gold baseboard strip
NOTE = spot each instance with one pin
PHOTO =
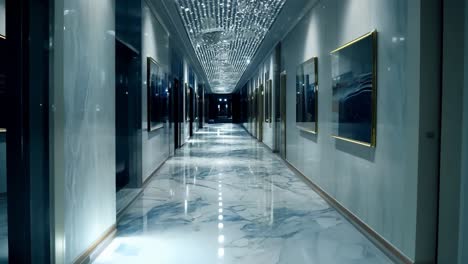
(380, 242)
(386, 247)
(85, 257)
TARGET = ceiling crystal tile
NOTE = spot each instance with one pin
(226, 34)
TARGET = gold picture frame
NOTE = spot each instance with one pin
(268, 101)
(154, 70)
(372, 36)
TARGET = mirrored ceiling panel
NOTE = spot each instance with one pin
(226, 34)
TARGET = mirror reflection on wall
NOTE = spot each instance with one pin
(306, 96)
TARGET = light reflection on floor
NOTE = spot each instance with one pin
(224, 198)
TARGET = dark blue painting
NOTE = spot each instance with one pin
(354, 91)
(307, 96)
(157, 96)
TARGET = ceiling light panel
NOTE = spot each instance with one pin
(226, 34)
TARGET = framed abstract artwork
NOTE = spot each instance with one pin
(157, 95)
(268, 100)
(307, 96)
(354, 84)
(188, 98)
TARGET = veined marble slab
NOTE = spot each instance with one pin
(124, 197)
(224, 198)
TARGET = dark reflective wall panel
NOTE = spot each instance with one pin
(354, 90)
(128, 26)
(126, 64)
(128, 22)
(306, 96)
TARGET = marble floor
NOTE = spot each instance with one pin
(124, 197)
(225, 198)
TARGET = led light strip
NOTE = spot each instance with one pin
(226, 34)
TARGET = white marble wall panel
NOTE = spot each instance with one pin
(377, 185)
(87, 105)
(155, 44)
(2, 18)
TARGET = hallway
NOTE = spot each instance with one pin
(225, 198)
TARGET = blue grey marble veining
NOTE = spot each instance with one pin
(224, 198)
(124, 197)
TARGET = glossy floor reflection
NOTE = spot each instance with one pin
(224, 198)
(124, 197)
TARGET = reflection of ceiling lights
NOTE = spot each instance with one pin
(226, 34)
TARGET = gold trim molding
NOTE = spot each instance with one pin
(108, 234)
(353, 141)
(377, 239)
(374, 32)
(306, 130)
(373, 35)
